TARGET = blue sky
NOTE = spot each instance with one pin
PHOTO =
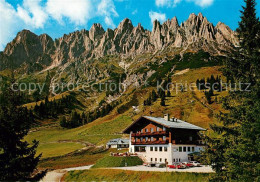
(58, 17)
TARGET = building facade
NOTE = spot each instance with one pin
(157, 140)
(118, 143)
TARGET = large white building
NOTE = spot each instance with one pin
(157, 140)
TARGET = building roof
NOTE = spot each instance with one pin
(177, 123)
(174, 124)
(118, 141)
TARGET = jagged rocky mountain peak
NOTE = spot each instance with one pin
(96, 31)
(126, 40)
(126, 24)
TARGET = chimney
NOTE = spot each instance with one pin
(167, 117)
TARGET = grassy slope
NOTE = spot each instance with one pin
(57, 149)
(120, 175)
(86, 157)
(187, 106)
(98, 133)
(110, 161)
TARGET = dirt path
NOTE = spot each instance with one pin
(56, 176)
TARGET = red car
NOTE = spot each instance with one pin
(187, 164)
(177, 166)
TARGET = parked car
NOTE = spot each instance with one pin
(188, 164)
(151, 165)
(181, 166)
(195, 163)
(177, 166)
(162, 166)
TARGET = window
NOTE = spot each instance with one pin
(146, 130)
(180, 149)
(155, 159)
(146, 138)
(173, 160)
(164, 129)
(184, 149)
(193, 149)
(160, 149)
(151, 129)
(151, 148)
(151, 159)
(179, 159)
(141, 139)
(188, 149)
(165, 149)
(151, 138)
(190, 138)
(160, 159)
(155, 148)
(142, 130)
(158, 129)
(164, 138)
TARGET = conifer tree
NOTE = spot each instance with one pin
(235, 152)
(17, 157)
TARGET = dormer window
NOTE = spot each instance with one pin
(151, 130)
(158, 128)
(146, 130)
(164, 129)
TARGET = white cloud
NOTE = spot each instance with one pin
(32, 13)
(161, 17)
(167, 3)
(107, 9)
(77, 11)
(9, 23)
(161, 3)
(202, 3)
(173, 3)
(134, 12)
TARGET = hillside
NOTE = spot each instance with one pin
(98, 82)
(190, 106)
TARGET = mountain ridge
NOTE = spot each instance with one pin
(35, 53)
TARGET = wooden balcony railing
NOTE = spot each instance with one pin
(149, 133)
(196, 142)
(157, 142)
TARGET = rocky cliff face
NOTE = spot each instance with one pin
(34, 52)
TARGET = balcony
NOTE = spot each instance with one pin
(149, 134)
(157, 142)
(195, 142)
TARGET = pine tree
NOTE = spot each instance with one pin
(63, 122)
(17, 157)
(162, 101)
(235, 153)
(168, 93)
(154, 96)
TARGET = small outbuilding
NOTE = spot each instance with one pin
(118, 143)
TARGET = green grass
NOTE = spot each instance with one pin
(57, 149)
(121, 175)
(111, 161)
(198, 60)
(86, 157)
(98, 133)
